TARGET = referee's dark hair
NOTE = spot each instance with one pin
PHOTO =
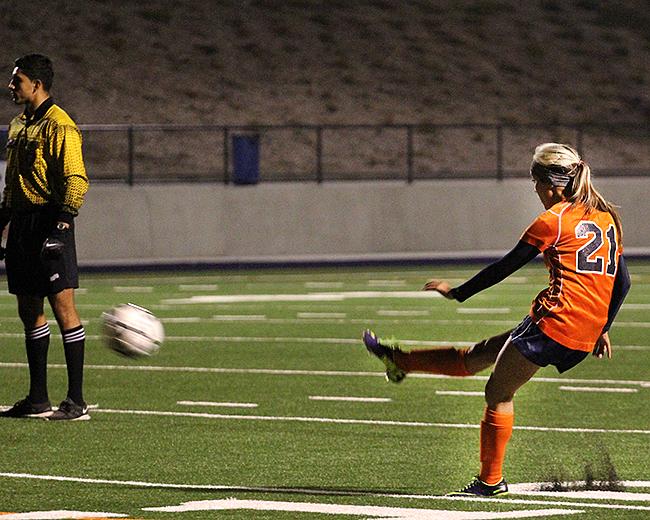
(37, 67)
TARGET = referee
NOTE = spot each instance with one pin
(45, 186)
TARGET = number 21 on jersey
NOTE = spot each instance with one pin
(587, 260)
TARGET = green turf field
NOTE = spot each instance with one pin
(263, 404)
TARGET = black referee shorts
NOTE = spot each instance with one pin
(28, 271)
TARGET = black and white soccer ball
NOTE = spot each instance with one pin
(132, 331)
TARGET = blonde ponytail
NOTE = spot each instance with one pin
(560, 165)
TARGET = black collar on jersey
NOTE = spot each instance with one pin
(39, 112)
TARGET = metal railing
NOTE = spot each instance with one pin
(135, 153)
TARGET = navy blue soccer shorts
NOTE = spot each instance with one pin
(538, 348)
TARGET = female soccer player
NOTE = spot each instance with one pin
(580, 237)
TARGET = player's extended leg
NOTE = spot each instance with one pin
(37, 342)
(448, 361)
(65, 311)
(511, 371)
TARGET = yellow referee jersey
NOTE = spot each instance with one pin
(44, 162)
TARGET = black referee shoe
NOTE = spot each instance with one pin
(70, 411)
(26, 409)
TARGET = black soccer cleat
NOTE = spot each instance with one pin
(28, 410)
(70, 411)
(385, 351)
(478, 488)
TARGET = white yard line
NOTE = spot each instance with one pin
(367, 511)
(327, 373)
(486, 310)
(632, 324)
(583, 494)
(133, 289)
(350, 399)
(368, 422)
(388, 312)
(459, 392)
(386, 283)
(198, 287)
(59, 515)
(599, 390)
(319, 297)
(316, 492)
(323, 285)
(217, 404)
(274, 339)
(239, 317)
(318, 315)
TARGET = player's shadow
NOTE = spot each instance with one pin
(282, 490)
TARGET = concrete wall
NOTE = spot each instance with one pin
(173, 223)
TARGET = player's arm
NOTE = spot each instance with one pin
(73, 181)
(519, 256)
(622, 284)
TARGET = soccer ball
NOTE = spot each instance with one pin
(132, 331)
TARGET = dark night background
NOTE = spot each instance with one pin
(367, 61)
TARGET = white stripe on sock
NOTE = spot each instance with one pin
(40, 332)
(76, 335)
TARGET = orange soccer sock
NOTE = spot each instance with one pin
(447, 361)
(496, 430)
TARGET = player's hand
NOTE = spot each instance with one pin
(603, 347)
(439, 285)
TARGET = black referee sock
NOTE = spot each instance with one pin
(37, 342)
(73, 347)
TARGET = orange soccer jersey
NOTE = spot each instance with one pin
(581, 251)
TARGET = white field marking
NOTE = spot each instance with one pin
(271, 339)
(535, 486)
(312, 491)
(459, 392)
(486, 310)
(586, 495)
(535, 489)
(327, 373)
(183, 319)
(350, 399)
(635, 306)
(452, 274)
(216, 404)
(370, 422)
(132, 289)
(51, 322)
(632, 324)
(58, 515)
(239, 317)
(599, 390)
(391, 513)
(309, 297)
(388, 312)
(517, 279)
(631, 347)
(386, 283)
(307, 315)
(198, 287)
(323, 285)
